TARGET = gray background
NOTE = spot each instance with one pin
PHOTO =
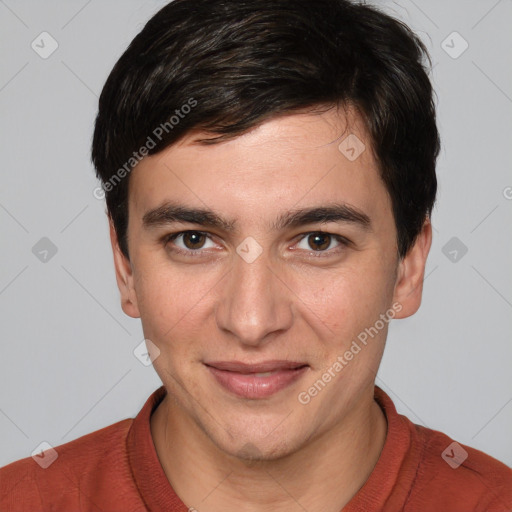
(67, 366)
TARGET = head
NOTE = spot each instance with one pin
(294, 142)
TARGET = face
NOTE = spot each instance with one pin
(257, 266)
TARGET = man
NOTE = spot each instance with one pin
(269, 171)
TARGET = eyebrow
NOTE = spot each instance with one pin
(169, 213)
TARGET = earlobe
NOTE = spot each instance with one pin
(411, 272)
(124, 276)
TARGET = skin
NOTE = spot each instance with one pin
(294, 302)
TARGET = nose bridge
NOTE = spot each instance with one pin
(253, 302)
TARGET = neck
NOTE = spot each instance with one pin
(322, 475)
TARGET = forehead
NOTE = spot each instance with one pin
(287, 162)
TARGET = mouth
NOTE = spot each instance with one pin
(258, 380)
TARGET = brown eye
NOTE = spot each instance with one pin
(189, 243)
(193, 239)
(319, 241)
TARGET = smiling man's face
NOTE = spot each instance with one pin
(252, 287)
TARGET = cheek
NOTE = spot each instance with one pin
(167, 301)
(348, 300)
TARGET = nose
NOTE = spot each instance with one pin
(255, 302)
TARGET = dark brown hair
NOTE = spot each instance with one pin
(225, 66)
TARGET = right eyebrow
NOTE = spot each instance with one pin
(169, 213)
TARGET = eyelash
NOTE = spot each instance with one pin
(344, 242)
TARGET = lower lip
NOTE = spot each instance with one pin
(249, 386)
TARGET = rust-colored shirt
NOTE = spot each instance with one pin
(117, 469)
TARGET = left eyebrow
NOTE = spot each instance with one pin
(330, 213)
(169, 213)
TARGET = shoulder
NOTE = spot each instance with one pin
(468, 479)
(61, 471)
(435, 472)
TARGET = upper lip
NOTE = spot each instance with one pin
(264, 366)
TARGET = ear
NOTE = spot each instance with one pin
(411, 272)
(124, 276)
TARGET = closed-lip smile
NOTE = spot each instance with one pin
(256, 380)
